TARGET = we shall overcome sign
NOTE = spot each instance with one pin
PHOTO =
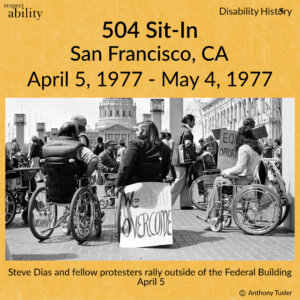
(146, 215)
(227, 154)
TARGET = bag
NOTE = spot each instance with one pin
(186, 154)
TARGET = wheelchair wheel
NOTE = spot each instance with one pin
(41, 215)
(98, 220)
(199, 191)
(256, 209)
(10, 207)
(216, 225)
(82, 214)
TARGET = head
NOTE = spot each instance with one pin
(245, 136)
(34, 139)
(277, 143)
(14, 140)
(168, 136)
(147, 130)
(162, 135)
(99, 139)
(189, 120)
(68, 129)
(110, 146)
(122, 143)
(80, 121)
(201, 142)
(249, 122)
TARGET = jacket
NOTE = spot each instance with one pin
(144, 163)
(107, 161)
(183, 135)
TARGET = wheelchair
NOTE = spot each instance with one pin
(109, 197)
(255, 208)
(19, 186)
(202, 184)
(65, 187)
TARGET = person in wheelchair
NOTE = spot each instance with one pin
(249, 155)
(145, 159)
(108, 165)
(205, 161)
(67, 146)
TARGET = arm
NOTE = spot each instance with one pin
(89, 158)
(104, 165)
(243, 156)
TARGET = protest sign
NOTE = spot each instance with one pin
(227, 155)
(146, 215)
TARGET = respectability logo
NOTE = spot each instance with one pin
(19, 11)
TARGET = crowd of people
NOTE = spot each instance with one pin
(152, 156)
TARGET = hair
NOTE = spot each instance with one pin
(163, 135)
(187, 118)
(68, 129)
(249, 122)
(245, 136)
(151, 132)
(34, 139)
(201, 140)
(278, 142)
(41, 142)
(99, 139)
(168, 134)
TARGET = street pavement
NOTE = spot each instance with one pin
(193, 240)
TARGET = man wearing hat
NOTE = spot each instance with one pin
(107, 159)
(80, 122)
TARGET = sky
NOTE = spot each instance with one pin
(55, 111)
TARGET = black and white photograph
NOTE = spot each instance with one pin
(150, 179)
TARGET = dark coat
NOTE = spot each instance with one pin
(183, 135)
(144, 163)
(107, 161)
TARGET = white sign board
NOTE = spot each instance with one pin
(227, 154)
(146, 218)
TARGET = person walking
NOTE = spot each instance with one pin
(179, 186)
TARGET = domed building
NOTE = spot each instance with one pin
(117, 117)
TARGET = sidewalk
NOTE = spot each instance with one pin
(193, 240)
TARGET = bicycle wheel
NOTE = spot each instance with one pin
(256, 209)
(10, 207)
(42, 215)
(200, 190)
(82, 214)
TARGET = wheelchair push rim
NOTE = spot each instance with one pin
(42, 215)
(256, 209)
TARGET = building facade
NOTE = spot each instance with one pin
(230, 112)
(117, 117)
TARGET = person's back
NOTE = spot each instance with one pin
(150, 163)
